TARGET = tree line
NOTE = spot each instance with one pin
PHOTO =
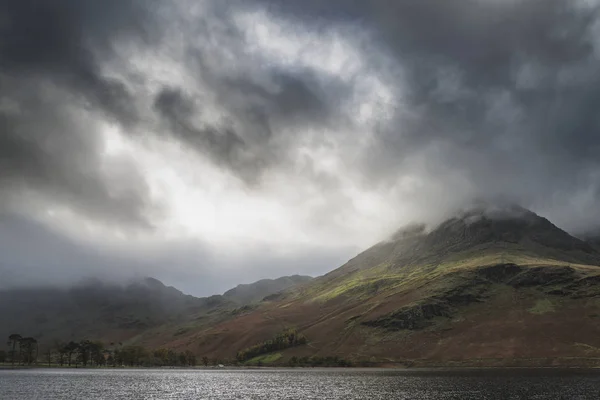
(21, 350)
(88, 353)
(284, 340)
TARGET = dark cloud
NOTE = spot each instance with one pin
(222, 144)
(53, 92)
(62, 40)
(502, 92)
(489, 99)
(243, 141)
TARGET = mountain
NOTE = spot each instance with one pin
(489, 286)
(593, 239)
(254, 292)
(94, 309)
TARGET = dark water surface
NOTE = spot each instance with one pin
(298, 384)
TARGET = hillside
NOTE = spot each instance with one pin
(487, 287)
(118, 312)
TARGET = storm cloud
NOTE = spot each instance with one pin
(266, 130)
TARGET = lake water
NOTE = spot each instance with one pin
(298, 384)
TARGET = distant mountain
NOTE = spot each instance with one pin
(94, 309)
(489, 286)
(593, 239)
(257, 291)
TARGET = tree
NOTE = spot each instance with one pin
(132, 355)
(71, 348)
(286, 339)
(29, 348)
(84, 352)
(190, 358)
(161, 356)
(97, 353)
(110, 359)
(13, 341)
(171, 357)
(2, 356)
(182, 359)
(49, 356)
(205, 361)
(61, 350)
(117, 358)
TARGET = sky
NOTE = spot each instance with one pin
(208, 143)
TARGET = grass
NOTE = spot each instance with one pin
(589, 349)
(543, 306)
(384, 277)
(264, 359)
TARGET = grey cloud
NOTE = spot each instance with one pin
(244, 142)
(260, 103)
(501, 93)
(498, 98)
(220, 143)
(54, 95)
(52, 91)
(62, 41)
(34, 254)
(48, 150)
(54, 50)
(291, 97)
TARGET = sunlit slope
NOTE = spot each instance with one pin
(474, 239)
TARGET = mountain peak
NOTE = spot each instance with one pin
(509, 224)
(504, 223)
(498, 230)
(152, 283)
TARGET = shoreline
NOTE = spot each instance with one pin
(287, 368)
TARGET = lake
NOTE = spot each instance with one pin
(348, 384)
